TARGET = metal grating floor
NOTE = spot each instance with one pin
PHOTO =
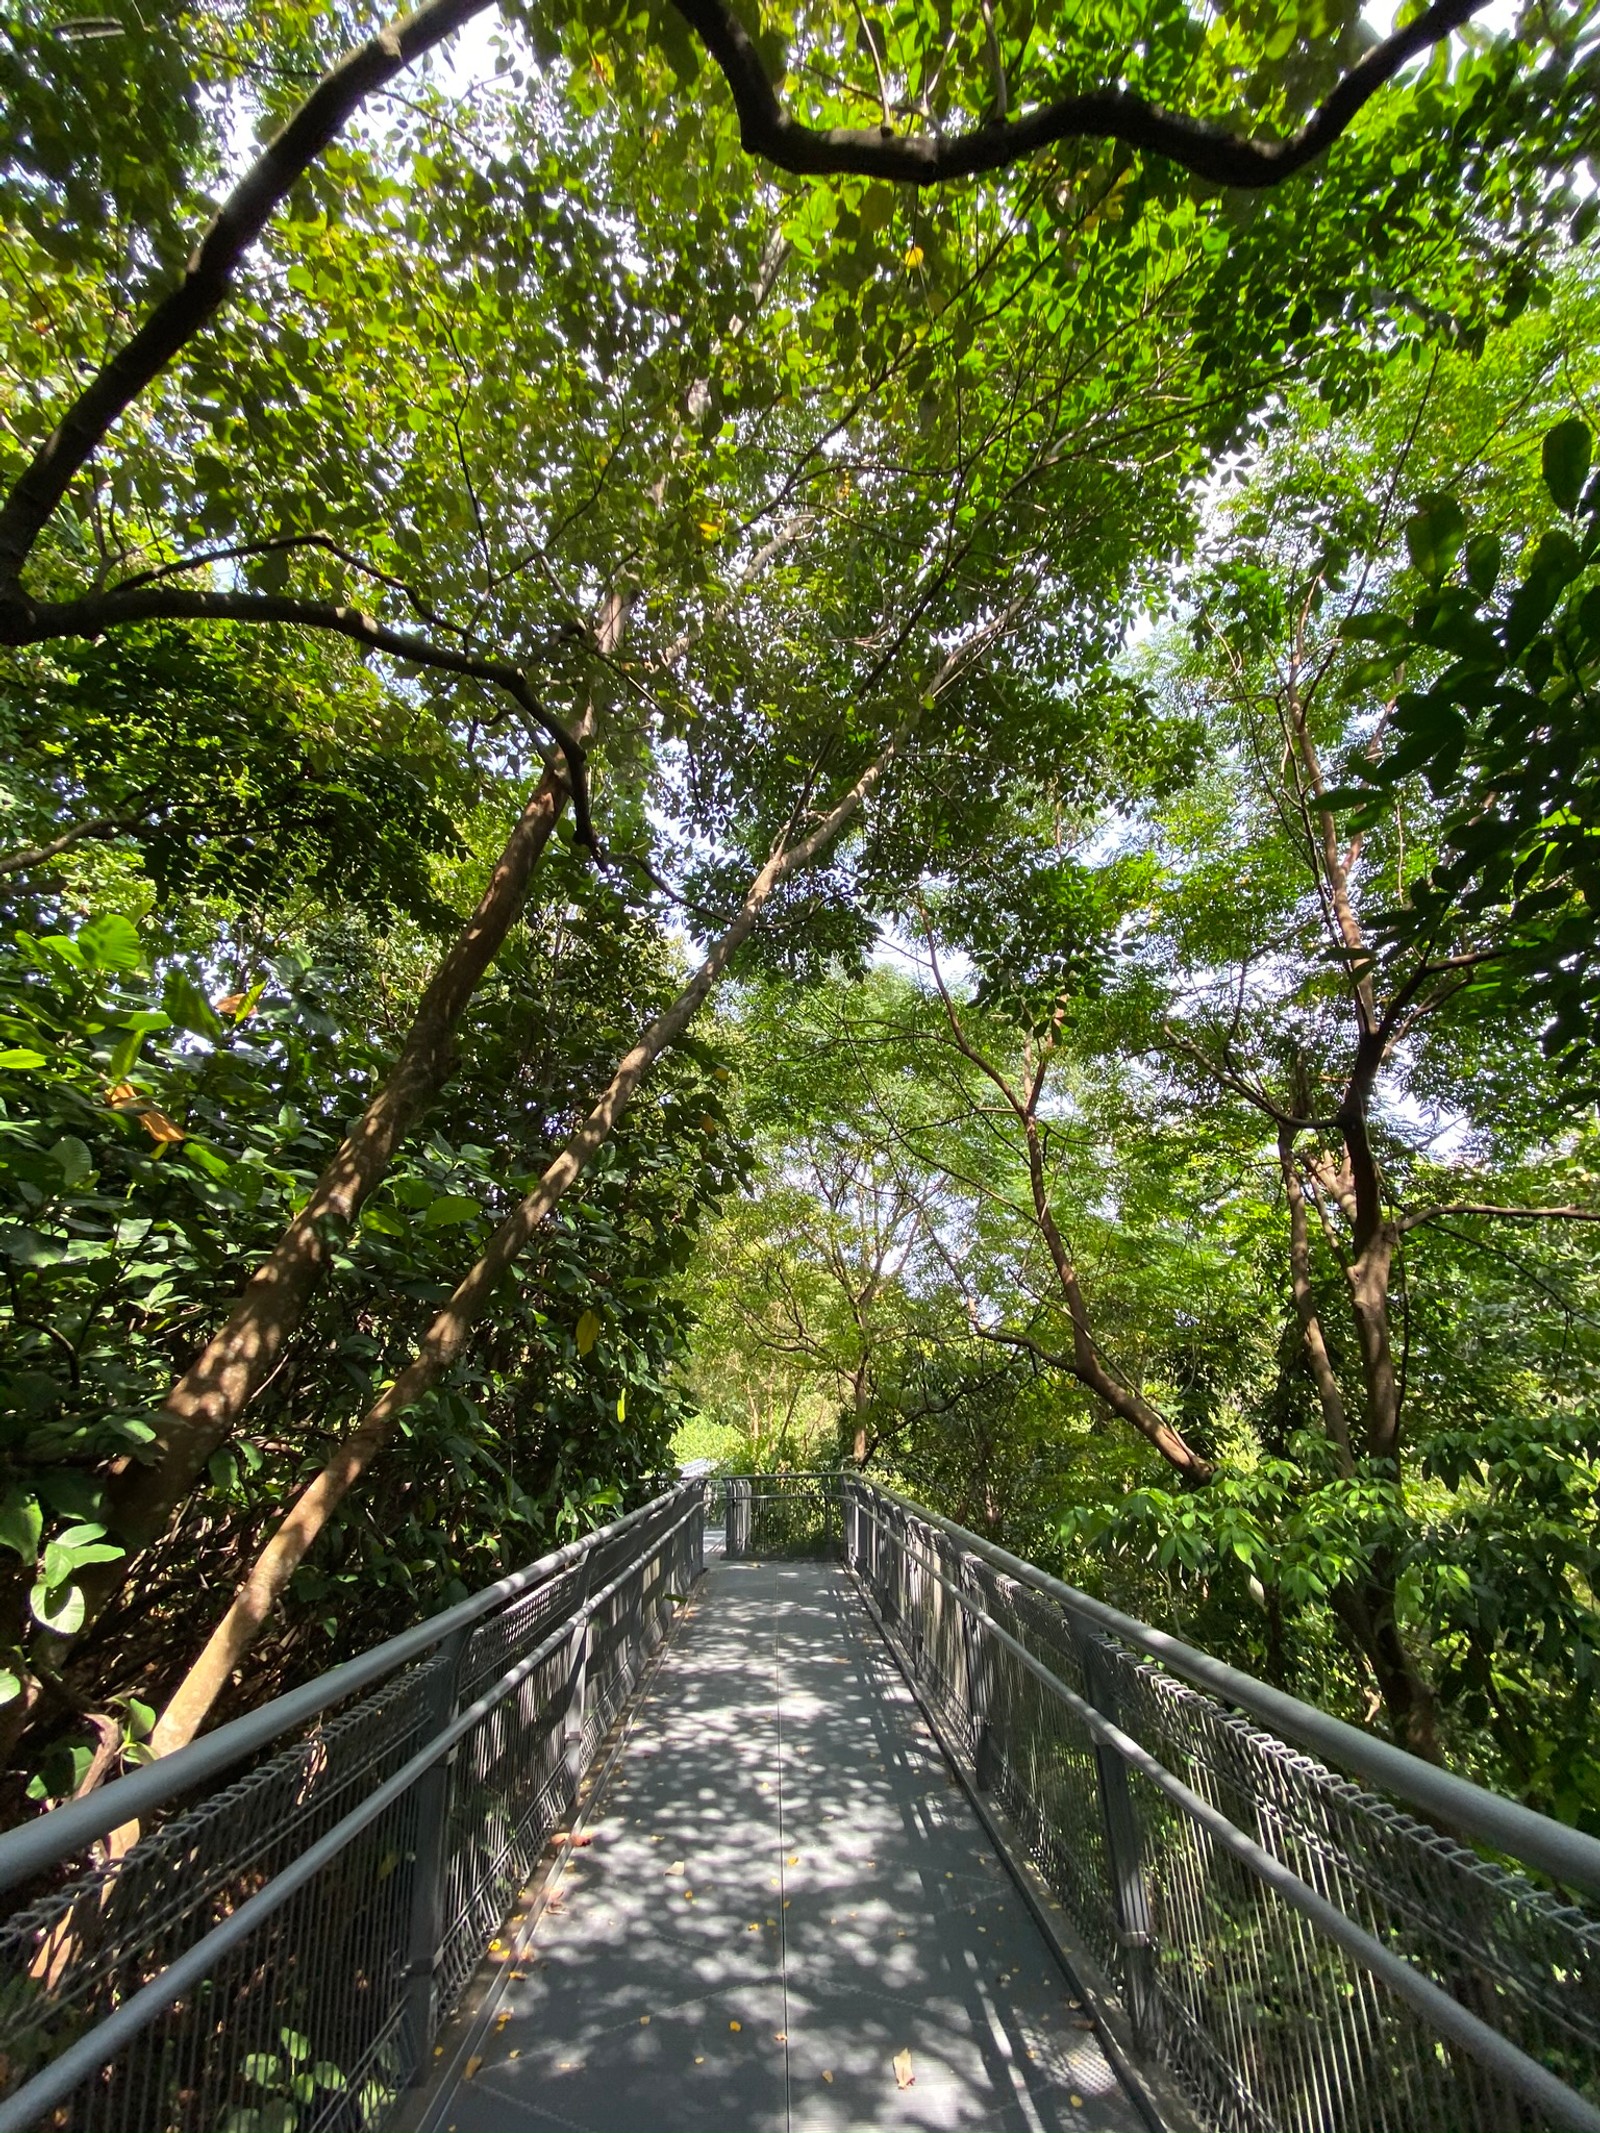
(786, 1891)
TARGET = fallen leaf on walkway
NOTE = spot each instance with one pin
(902, 2069)
(644, 2021)
(736, 2025)
(473, 2065)
(501, 2020)
(1077, 2103)
(827, 2077)
(676, 1867)
(577, 1838)
(780, 2036)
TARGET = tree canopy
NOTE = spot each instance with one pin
(828, 730)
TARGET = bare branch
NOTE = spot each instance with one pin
(1504, 1214)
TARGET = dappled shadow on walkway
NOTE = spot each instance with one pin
(786, 1895)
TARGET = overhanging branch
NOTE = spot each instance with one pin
(1210, 152)
(24, 621)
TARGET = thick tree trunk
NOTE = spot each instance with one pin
(1366, 1607)
(276, 1564)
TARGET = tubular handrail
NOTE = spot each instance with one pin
(25, 2106)
(66, 1831)
(1568, 1855)
(1562, 2105)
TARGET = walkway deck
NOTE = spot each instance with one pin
(786, 1892)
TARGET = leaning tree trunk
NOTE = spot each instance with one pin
(1086, 1363)
(206, 1403)
(276, 1564)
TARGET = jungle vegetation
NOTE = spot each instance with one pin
(849, 733)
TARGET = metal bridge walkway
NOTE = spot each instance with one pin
(1288, 1925)
(786, 1891)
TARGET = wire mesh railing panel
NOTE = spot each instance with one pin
(1519, 1957)
(508, 1790)
(1299, 1954)
(782, 1516)
(73, 1955)
(274, 1955)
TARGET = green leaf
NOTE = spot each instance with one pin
(59, 1608)
(18, 1055)
(1565, 454)
(1434, 535)
(449, 1209)
(188, 1006)
(111, 943)
(72, 1158)
(10, 1686)
(1483, 563)
(21, 1524)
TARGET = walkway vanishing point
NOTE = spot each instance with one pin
(868, 1824)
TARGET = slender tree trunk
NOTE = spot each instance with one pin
(1334, 1419)
(1087, 1365)
(205, 1404)
(1369, 1275)
(276, 1564)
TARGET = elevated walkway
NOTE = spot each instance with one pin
(787, 1893)
(618, 1846)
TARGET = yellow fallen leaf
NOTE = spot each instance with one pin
(644, 2021)
(700, 2059)
(736, 2025)
(780, 2036)
(902, 2069)
(676, 1867)
(827, 2077)
(473, 2065)
(1077, 2103)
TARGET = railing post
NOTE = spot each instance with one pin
(578, 1681)
(1124, 1845)
(736, 1534)
(979, 1677)
(426, 1925)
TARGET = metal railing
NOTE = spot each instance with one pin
(275, 1952)
(1298, 1952)
(781, 1515)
